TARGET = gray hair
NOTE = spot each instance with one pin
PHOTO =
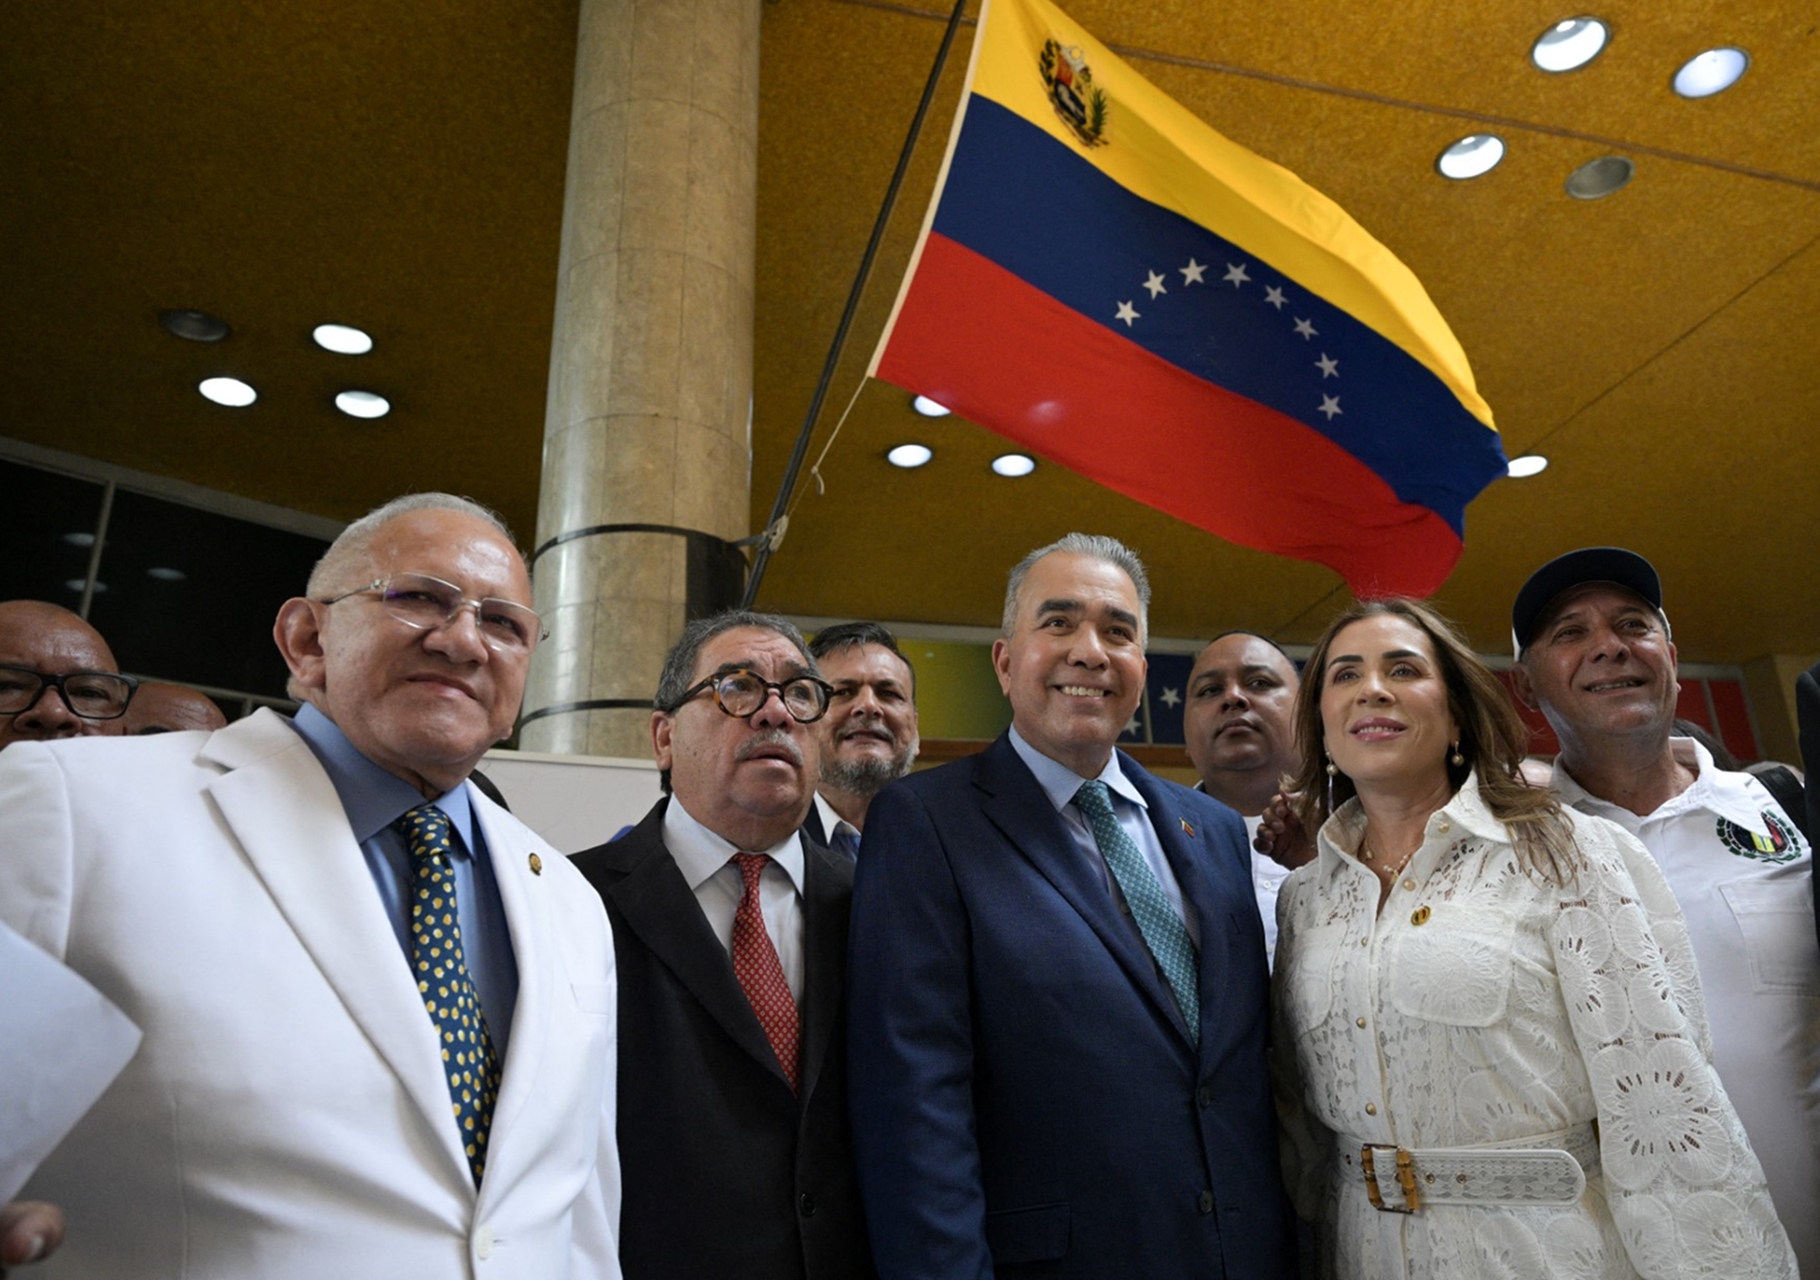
(679, 663)
(1095, 545)
(355, 541)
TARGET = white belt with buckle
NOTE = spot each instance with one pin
(1544, 1168)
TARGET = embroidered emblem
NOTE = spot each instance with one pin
(1186, 829)
(1780, 845)
(1082, 107)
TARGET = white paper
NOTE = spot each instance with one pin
(62, 1046)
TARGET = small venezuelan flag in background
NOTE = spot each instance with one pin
(1112, 284)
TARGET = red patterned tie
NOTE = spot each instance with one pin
(760, 974)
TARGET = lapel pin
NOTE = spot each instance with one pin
(536, 865)
(1186, 829)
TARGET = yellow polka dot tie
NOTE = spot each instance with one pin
(469, 1063)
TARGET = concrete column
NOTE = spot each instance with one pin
(647, 434)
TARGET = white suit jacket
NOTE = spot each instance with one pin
(286, 1114)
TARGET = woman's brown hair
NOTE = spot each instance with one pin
(1493, 740)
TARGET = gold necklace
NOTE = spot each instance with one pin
(1382, 868)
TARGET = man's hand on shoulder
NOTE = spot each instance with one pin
(30, 1231)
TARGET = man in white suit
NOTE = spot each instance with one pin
(309, 947)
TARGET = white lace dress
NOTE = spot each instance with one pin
(1486, 1006)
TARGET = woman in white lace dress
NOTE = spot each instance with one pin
(1491, 1051)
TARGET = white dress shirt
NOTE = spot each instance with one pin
(706, 862)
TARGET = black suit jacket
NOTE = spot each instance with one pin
(1807, 713)
(726, 1172)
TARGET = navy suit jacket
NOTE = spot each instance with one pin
(725, 1171)
(1026, 1098)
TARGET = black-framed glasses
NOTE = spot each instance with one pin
(423, 602)
(93, 695)
(742, 693)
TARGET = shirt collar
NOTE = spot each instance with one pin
(1729, 795)
(372, 798)
(1467, 809)
(1059, 782)
(699, 852)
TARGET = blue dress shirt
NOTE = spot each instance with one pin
(373, 800)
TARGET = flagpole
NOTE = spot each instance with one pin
(769, 537)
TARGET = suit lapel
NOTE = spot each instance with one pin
(1017, 806)
(827, 884)
(657, 905)
(527, 913)
(285, 813)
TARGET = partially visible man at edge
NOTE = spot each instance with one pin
(159, 707)
(378, 1032)
(58, 678)
(1594, 654)
(868, 738)
(1241, 740)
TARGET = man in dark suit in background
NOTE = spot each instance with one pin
(868, 738)
(1058, 982)
(731, 936)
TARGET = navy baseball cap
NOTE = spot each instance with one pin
(1615, 565)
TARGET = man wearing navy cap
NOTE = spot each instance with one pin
(1594, 654)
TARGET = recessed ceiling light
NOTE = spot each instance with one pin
(929, 408)
(197, 326)
(1013, 464)
(1471, 156)
(363, 404)
(1570, 43)
(1705, 74)
(229, 391)
(1598, 178)
(1530, 464)
(76, 585)
(79, 539)
(342, 339)
(909, 455)
(163, 574)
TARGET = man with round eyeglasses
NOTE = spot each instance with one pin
(378, 1011)
(58, 678)
(731, 933)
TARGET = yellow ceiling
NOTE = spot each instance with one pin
(400, 167)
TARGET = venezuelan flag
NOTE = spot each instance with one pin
(1107, 281)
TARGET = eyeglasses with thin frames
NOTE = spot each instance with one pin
(93, 695)
(741, 693)
(426, 603)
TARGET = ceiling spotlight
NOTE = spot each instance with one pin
(363, 404)
(1705, 74)
(79, 539)
(1530, 464)
(231, 392)
(1598, 178)
(197, 326)
(1570, 43)
(929, 408)
(1471, 156)
(77, 584)
(1013, 464)
(344, 340)
(162, 574)
(909, 455)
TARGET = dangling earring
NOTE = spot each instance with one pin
(1332, 769)
(1456, 759)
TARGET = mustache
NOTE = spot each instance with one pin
(765, 739)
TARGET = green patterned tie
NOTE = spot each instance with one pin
(469, 1063)
(1156, 917)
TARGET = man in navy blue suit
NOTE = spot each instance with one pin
(1057, 983)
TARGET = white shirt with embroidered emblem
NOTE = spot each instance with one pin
(1487, 1006)
(1747, 892)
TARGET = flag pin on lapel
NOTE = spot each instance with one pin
(536, 865)
(1186, 829)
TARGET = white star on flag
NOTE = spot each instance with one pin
(1132, 726)
(1305, 328)
(1330, 405)
(1330, 368)
(1192, 273)
(1170, 696)
(1127, 313)
(1235, 272)
(1274, 296)
(1155, 284)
